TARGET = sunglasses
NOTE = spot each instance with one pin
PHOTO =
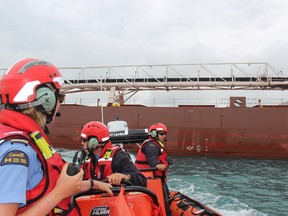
(162, 133)
(99, 144)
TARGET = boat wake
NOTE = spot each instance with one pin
(225, 194)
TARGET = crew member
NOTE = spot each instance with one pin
(31, 179)
(152, 152)
(105, 160)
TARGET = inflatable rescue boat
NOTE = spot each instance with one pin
(130, 200)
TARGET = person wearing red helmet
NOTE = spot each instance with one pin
(105, 160)
(152, 152)
(33, 177)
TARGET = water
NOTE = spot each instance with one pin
(230, 186)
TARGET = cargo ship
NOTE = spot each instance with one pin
(233, 131)
(260, 131)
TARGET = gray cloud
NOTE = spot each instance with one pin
(94, 32)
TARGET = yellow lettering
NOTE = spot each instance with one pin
(16, 155)
(8, 160)
(23, 161)
(16, 160)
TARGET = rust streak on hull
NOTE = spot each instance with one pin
(204, 131)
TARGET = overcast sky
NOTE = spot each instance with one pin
(123, 32)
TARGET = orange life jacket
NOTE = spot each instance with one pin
(141, 160)
(12, 127)
(102, 168)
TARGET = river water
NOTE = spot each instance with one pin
(230, 186)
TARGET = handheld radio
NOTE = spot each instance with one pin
(74, 167)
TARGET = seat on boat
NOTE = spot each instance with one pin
(134, 201)
(155, 185)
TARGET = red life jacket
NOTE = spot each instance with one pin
(18, 126)
(102, 168)
(141, 160)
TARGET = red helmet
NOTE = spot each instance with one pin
(95, 129)
(155, 128)
(158, 127)
(19, 83)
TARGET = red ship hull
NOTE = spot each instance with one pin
(192, 131)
